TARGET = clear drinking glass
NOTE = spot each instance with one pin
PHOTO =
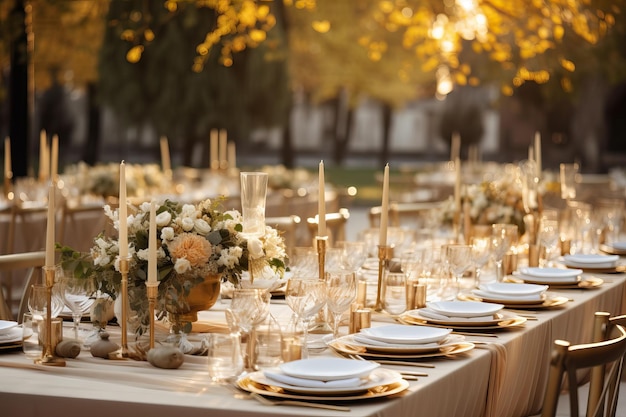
(253, 193)
(225, 360)
(76, 293)
(481, 251)
(393, 293)
(341, 293)
(38, 301)
(459, 260)
(548, 236)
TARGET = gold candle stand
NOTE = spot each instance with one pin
(321, 242)
(383, 258)
(124, 294)
(8, 185)
(152, 297)
(47, 354)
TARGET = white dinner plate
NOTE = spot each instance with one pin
(513, 289)
(590, 260)
(12, 335)
(489, 295)
(401, 334)
(552, 273)
(373, 345)
(619, 245)
(464, 308)
(487, 321)
(548, 280)
(6, 325)
(328, 369)
(377, 377)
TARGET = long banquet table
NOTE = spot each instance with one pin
(503, 376)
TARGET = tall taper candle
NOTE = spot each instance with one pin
(43, 156)
(384, 212)
(54, 158)
(538, 153)
(223, 139)
(455, 146)
(166, 163)
(7, 158)
(321, 202)
(214, 158)
(123, 214)
(232, 155)
(50, 228)
(152, 245)
(457, 185)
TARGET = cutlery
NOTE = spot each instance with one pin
(267, 401)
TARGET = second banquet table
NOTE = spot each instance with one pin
(502, 376)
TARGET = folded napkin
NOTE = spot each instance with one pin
(432, 314)
(360, 338)
(508, 297)
(312, 383)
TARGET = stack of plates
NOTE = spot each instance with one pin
(329, 377)
(509, 292)
(591, 261)
(548, 276)
(466, 315)
(10, 334)
(616, 248)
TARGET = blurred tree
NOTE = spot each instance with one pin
(148, 74)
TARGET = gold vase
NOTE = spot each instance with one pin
(202, 296)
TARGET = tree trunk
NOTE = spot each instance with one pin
(384, 154)
(18, 95)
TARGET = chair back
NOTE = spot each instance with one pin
(287, 226)
(604, 356)
(335, 225)
(28, 261)
(419, 214)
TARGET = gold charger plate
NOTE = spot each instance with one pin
(584, 283)
(549, 302)
(247, 384)
(347, 349)
(498, 318)
(450, 341)
(612, 270)
(512, 322)
(11, 345)
(611, 250)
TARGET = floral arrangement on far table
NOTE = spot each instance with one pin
(193, 240)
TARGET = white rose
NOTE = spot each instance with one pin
(202, 226)
(182, 265)
(163, 219)
(188, 210)
(187, 224)
(142, 254)
(255, 247)
(167, 233)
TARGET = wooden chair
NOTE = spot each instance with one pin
(335, 225)
(418, 214)
(29, 262)
(288, 227)
(604, 357)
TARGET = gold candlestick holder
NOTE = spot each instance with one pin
(321, 242)
(124, 294)
(383, 260)
(152, 288)
(8, 185)
(47, 354)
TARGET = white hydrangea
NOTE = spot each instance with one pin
(182, 265)
(163, 219)
(167, 233)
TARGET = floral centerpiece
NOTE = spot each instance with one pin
(194, 241)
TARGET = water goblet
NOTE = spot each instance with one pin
(353, 255)
(481, 251)
(393, 293)
(459, 260)
(76, 293)
(340, 293)
(568, 174)
(38, 302)
(305, 296)
(249, 307)
(503, 237)
(548, 237)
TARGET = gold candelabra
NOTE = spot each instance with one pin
(321, 242)
(47, 354)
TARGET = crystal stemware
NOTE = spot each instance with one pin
(249, 307)
(341, 293)
(503, 237)
(459, 260)
(76, 293)
(548, 237)
(481, 251)
(305, 297)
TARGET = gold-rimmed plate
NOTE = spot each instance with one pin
(584, 283)
(385, 390)
(371, 346)
(549, 302)
(344, 348)
(493, 321)
(619, 249)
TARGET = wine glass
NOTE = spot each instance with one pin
(503, 236)
(340, 293)
(38, 301)
(305, 297)
(459, 260)
(76, 293)
(481, 251)
(353, 255)
(249, 307)
(548, 238)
